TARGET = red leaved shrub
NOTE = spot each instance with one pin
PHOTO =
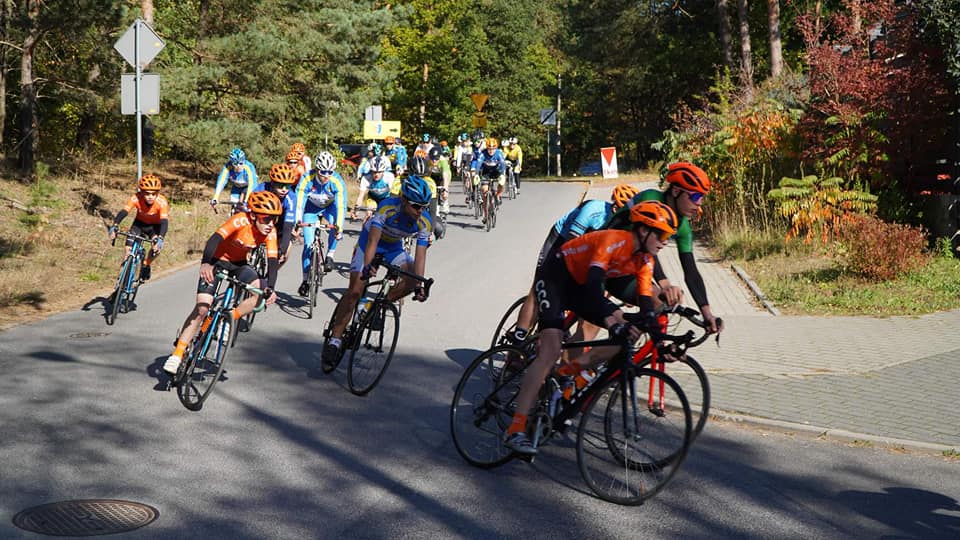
(881, 251)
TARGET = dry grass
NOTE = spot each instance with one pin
(59, 257)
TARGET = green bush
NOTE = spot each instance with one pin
(882, 251)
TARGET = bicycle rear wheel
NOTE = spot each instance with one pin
(488, 210)
(373, 347)
(511, 185)
(483, 406)
(203, 363)
(691, 376)
(627, 451)
(475, 197)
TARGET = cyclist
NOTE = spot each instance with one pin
(439, 168)
(426, 143)
(153, 212)
(321, 192)
(374, 186)
(463, 153)
(588, 216)
(396, 153)
(514, 155)
(419, 167)
(383, 234)
(489, 164)
(283, 179)
(573, 279)
(301, 150)
(227, 249)
(373, 151)
(687, 185)
(295, 160)
(240, 174)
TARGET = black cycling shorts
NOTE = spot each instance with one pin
(242, 271)
(555, 292)
(142, 229)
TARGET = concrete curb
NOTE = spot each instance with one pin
(830, 434)
(755, 289)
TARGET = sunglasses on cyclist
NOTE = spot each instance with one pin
(419, 207)
(263, 219)
(325, 173)
(663, 235)
(695, 196)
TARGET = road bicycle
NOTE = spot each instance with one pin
(257, 258)
(128, 282)
(627, 450)
(489, 203)
(317, 258)
(203, 361)
(371, 336)
(511, 182)
(687, 370)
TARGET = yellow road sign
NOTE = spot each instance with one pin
(378, 129)
(479, 120)
(479, 100)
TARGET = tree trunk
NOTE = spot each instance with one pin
(203, 9)
(423, 99)
(723, 14)
(28, 93)
(746, 58)
(6, 14)
(773, 27)
(146, 6)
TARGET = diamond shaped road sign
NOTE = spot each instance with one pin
(150, 44)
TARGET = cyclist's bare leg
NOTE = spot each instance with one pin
(550, 342)
(347, 304)
(200, 310)
(585, 331)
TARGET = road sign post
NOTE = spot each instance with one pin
(138, 46)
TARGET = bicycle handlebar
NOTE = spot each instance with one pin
(136, 237)
(427, 282)
(244, 285)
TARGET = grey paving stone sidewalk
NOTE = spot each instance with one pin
(889, 378)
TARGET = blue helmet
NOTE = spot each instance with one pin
(237, 157)
(426, 137)
(416, 190)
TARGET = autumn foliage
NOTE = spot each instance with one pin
(882, 251)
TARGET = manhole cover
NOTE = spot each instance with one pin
(85, 335)
(91, 517)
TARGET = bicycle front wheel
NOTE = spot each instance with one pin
(204, 363)
(373, 347)
(312, 283)
(691, 376)
(626, 450)
(120, 290)
(507, 323)
(483, 406)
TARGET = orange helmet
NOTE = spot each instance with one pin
(622, 195)
(389, 139)
(282, 173)
(264, 202)
(492, 143)
(298, 147)
(293, 155)
(656, 215)
(688, 176)
(149, 182)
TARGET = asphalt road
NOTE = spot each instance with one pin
(276, 454)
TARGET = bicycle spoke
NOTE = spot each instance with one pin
(373, 348)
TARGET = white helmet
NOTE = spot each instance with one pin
(380, 164)
(512, 140)
(325, 162)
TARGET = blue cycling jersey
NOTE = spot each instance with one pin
(289, 203)
(588, 216)
(330, 197)
(396, 225)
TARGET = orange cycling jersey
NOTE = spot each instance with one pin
(240, 236)
(151, 215)
(613, 251)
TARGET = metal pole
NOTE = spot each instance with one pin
(136, 82)
(559, 171)
(547, 173)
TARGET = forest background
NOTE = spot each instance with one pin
(828, 126)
